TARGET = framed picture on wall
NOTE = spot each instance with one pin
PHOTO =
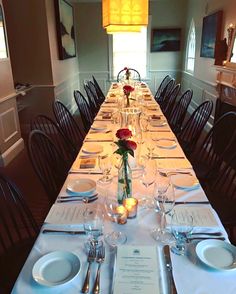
(65, 29)
(165, 40)
(211, 33)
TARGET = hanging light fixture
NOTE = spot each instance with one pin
(124, 15)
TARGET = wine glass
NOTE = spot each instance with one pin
(148, 179)
(161, 186)
(181, 228)
(144, 121)
(165, 200)
(105, 165)
(117, 214)
(93, 224)
(150, 147)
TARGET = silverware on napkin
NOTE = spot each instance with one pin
(166, 249)
(78, 199)
(167, 157)
(191, 202)
(189, 239)
(52, 231)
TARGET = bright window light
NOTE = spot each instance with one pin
(190, 53)
(130, 50)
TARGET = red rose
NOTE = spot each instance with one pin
(123, 134)
(131, 145)
(128, 89)
(125, 68)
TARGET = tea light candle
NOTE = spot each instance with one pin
(131, 204)
(123, 213)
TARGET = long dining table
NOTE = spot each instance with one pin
(191, 275)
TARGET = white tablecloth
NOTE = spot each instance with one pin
(191, 276)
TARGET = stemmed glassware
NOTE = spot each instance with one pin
(105, 165)
(148, 179)
(181, 228)
(165, 200)
(118, 216)
(93, 224)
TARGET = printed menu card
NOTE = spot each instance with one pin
(137, 270)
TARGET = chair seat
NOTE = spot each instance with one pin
(11, 263)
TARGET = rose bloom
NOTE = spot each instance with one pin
(123, 134)
(128, 88)
(125, 68)
(131, 145)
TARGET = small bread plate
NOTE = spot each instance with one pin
(166, 143)
(92, 149)
(56, 268)
(217, 254)
(186, 182)
(99, 127)
(158, 123)
(81, 187)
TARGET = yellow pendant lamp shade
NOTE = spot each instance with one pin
(124, 15)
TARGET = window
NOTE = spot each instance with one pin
(190, 54)
(130, 49)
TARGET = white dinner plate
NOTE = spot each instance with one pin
(92, 149)
(56, 268)
(81, 187)
(217, 254)
(99, 127)
(166, 143)
(185, 181)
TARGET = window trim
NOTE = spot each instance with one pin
(192, 27)
(110, 54)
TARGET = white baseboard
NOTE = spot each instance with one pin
(7, 156)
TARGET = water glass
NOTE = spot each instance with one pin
(105, 165)
(93, 224)
(181, 228)
(118, 216)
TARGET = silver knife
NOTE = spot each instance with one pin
(191, 202)
(51, 231)
(168, 157)
(84, 200)
(166, 249)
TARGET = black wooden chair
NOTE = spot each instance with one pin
(48, 163)
(49, 127)
(83, 106)
(216, 149)
(178, 113)
(71, 130)
(134, 75)
(222, 195)
(192, 129)
(169, 101)
(165, 92)
(162, 85)
(92, 97)
(99, 92)
(18, 231)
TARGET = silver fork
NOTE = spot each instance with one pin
(90, 259)
(171, 173)
(100, 259)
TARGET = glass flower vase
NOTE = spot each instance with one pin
(124, 180)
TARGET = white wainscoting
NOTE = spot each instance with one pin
(11, 142)
(202, 91)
